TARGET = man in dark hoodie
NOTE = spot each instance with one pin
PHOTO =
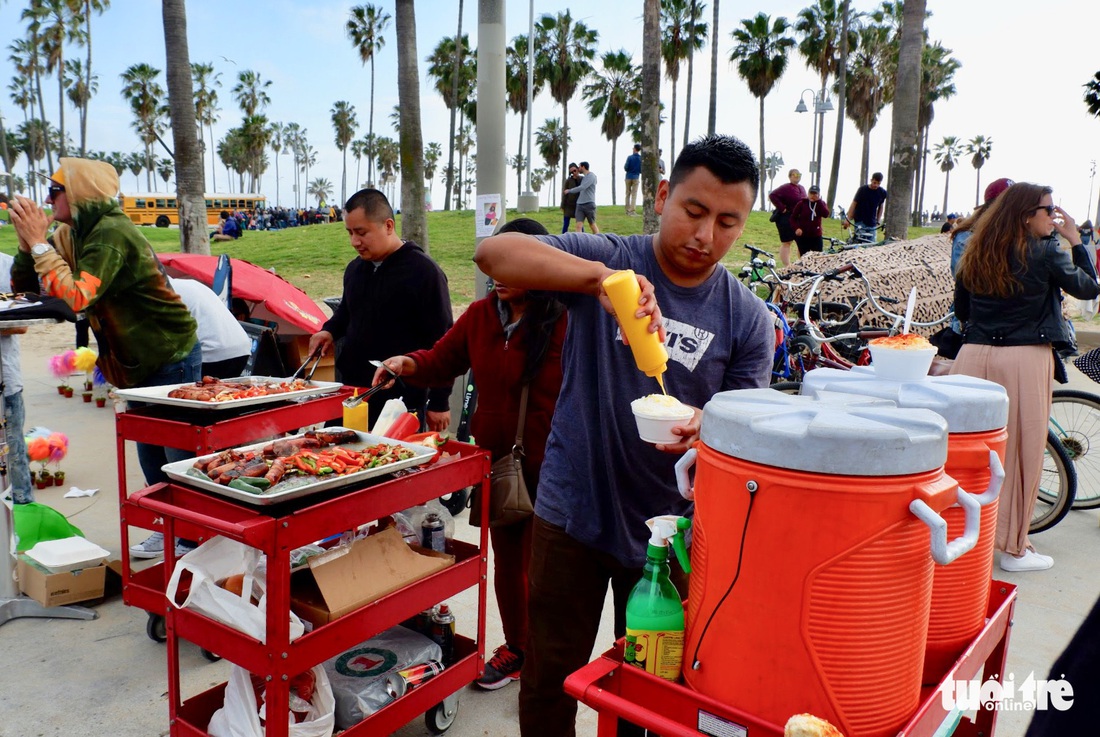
(395, 302)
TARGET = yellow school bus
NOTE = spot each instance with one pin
(160, 209)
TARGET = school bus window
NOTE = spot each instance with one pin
(139, 203)
(171, 203)
(160, 203)
(209, 203)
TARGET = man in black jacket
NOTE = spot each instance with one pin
(395, 301)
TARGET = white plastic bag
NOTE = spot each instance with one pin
(215, 560)
(1088, 308)
(239, 717)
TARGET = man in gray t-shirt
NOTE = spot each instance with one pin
(600, 481)
(586, 198)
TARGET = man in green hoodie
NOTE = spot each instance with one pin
(100, 263)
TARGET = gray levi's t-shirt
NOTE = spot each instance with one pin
(599, 480)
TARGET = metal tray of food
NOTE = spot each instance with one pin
(159, 394)
(293, 487)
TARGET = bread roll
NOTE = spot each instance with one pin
(807, 725)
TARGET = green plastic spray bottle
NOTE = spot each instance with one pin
(654, 610)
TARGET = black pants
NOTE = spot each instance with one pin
(807, 243)
(230, 368)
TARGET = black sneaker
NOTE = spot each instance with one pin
(502, 668)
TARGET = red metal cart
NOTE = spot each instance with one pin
(200, 432)
(673, 710)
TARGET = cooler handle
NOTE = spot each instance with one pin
(944, 552)
(683, 480)
(996, 480)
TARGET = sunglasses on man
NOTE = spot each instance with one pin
(55, 189)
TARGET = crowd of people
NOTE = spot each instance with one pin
(546, 346)
(274, 218)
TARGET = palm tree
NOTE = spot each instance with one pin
(89, 6)
(365, 28)
(206, 81)
(250, 92)
(681, 37)
(847, 41)
(773, 162)
(820, 27)
(186, 134)
(65, 26)
(389, 161)
(903, 134)
(345, 125)
(761, 56)
(694, 30)
(650, 113)
(308, 159)
(81, 88)
(358, 148)
(612, 95)
(979, 148)
(33, 136)
(143, 92)
(866, 85)
(946, 154)
(135, 162)
(294, 136)
(937, 83)
(1092, 95)
(453, 89)
(565, 49)
(515, 85)
(414, 224)
(278, 143)
(320, 188)
(256, 133)
(25, 56)
(712, 112)
(431, 161)
(551, 142)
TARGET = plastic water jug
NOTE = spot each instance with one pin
(976, 411)
(813, 573)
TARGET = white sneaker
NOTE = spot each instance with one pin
(150, 547)
(183, 548)
(1029, 561)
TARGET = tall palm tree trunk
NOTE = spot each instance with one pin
(651, 101)
(923, 178)
(564, 140)
(42, 108)
(213, 160)
(763, 174)
(691, 72)
(903, 134)
(614, 158)
(344, 177)
(61, 99)
(4, 153)
(712, 113)
(414, 223)
(519, 170)
(865, 158)
(190, 178)
(150, 180)
(87, 79)
(946, 184)
(842, 98)
(977, 185)
(454, 110)
(370, 123)
(672, 124)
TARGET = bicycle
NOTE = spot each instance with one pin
(860, 237)
(1075, 420)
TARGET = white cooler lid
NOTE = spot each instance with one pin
(839, 435)
(967, 403)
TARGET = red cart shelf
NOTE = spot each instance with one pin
(615, 690)
(277, 530)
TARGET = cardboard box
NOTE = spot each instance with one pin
(57, 589)
(344, 579)
(297, 349)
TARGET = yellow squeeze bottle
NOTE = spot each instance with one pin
(356, 417)
(649, 352)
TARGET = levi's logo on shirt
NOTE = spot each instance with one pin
(685, 343)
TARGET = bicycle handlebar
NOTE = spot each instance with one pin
(757, 251)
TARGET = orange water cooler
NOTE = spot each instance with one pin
(976, 411)
(812, 572)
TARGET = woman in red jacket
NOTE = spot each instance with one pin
(806, 220)
(508, 338)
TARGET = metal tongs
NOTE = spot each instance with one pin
(316, 358)
(353, 402)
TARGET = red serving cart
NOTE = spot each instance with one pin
(615, 690)
(278, 529)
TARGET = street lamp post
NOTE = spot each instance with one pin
(1092, 178)
(822, 104)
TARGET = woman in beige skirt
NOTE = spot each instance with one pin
(1008, 299)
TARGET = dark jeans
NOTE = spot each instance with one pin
(565, 223)
(152, 457)
(230, 368)
(568, 584)
(807, 243)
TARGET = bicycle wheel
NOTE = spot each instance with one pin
(1057, 487)
(1075, 419)
(787, 387)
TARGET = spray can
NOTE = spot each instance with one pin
(420, 673)
(433, 533)
(654, 610)
(394, 685)
(649, 352)
(443, 632)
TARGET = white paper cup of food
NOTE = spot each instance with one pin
(655, 422)
(901, 364)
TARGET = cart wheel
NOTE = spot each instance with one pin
(455, 502)
(155, 628)
(441, 716)
(209, 655)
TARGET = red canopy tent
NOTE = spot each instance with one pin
(270, 296)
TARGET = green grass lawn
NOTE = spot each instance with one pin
(314, 257)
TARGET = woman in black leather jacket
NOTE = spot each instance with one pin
(1008, 296)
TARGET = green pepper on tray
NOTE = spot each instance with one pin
(251, 485)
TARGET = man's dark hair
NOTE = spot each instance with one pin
(225, 214)
(726, 157)
(876, 177)
(373, 204)
(637, 147)
(584, 165)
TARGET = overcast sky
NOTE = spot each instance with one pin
(1023, 67)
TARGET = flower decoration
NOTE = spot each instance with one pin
(62, 366)
(84, 359)
(38, 449)
(59, 447)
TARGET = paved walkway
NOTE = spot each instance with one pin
(105, 677)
